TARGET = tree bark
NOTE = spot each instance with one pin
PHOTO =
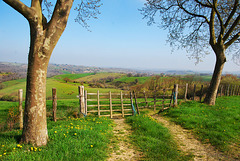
(216, 79)
(44, 37)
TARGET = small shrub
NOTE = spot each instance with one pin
(8, 98)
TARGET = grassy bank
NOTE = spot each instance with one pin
(154, 140)
(218, 125)
(71, 139)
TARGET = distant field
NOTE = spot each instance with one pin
(71, 76)
(67, 89)
(125, 79)
(64, 90)
(99, 76)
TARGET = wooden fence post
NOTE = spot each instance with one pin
(20, 99)
(234, 90)
(154, 106)
(175, 94)
(201, 94)
(163, 97)
(221, 91)
(131, 97)
(121, 97)
(194, 91)
(135, 97)
(145, 96)
(185, 96)
(110, 105)
(85, 102)
(98, 103)
(54, 103)
(228, 90)
(81, 99)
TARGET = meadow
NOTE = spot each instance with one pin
(73, 138)
(218, 125)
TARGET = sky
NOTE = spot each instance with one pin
(120, 37)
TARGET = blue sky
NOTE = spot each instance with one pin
(119, 38)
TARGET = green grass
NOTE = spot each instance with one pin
(4, 108)
(64, 90)
(71, 139)
(98, 76)
(126, 79)
(71, 76)
(218, 125)
(154, 140)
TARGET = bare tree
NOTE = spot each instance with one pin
(197, 24)
(44, 34)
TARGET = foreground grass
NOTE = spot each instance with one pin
(218, 125)
(71, 139)
(154, 140)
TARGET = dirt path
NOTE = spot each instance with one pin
(126, 151)
(189, 144)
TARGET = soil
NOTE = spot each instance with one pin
(125, 150)
(189, 144)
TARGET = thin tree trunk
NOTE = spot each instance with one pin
(215, 82)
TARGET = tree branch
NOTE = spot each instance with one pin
(211, 29)
(234, 25)
(193, 14)
(20, 7)
(220, 36)
(234, 38)
(202, 4)
(36, 3)
(232, 13)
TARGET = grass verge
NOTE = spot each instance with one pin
(218, 125)
(154, 140)
(71, 139)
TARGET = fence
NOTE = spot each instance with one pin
(122, 104)
(157, 98)
(106, 104)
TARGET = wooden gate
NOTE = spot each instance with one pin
(106, 104)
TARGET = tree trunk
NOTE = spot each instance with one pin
(216, 79)
(44, 37)
(35, 122)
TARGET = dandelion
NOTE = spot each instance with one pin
(4, 153)
(75, 134)
(91, 146)
(31, 148)
(14, 148)
(35, 149)
(3, 145)
(18, 145)
(0, 155)
(55, 132)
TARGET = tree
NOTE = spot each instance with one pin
(44, 35)
(194, 24)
